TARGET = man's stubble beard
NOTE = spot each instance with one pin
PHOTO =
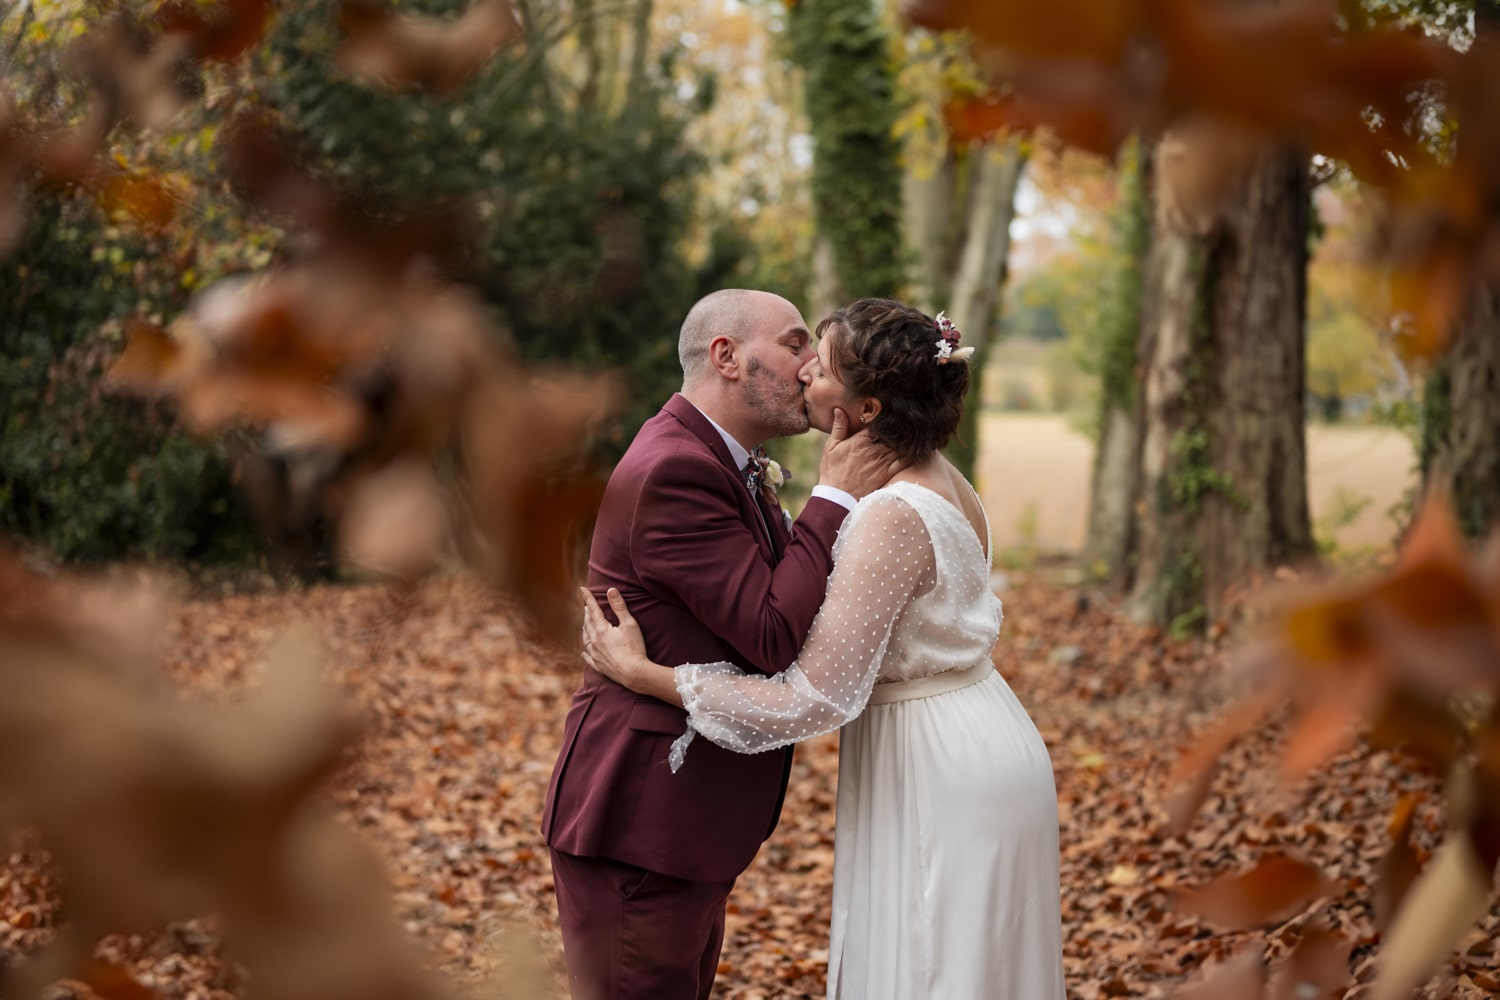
(779, 406)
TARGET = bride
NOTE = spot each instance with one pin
(945, 880)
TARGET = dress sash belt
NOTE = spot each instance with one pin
(926, 687)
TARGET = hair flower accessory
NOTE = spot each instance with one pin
(947, 346)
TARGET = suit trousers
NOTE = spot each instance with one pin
(633, 934)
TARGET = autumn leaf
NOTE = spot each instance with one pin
(1399, 867)
(1450, 895)
(1243, 977)
(1188, 784)
(222, 33)
(1275, 889)
(109, 981)
(149, 201)
(401, 51)
(396, 523)
(1072, 28)
(1318, 968)
(151, 361)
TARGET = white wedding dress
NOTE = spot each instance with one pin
(945, 882)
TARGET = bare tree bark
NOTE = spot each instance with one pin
(1259, 427)
(1170, 312)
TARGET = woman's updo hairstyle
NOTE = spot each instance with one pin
(888, 350)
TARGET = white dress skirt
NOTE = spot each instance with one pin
(945, 882)
(945, 872)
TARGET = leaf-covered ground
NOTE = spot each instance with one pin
(463, 723)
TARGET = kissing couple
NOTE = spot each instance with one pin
(738, 632)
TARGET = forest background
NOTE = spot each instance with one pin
(307, 291)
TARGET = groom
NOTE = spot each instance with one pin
(644, 859)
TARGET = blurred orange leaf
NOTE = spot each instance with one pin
(1243, 977)
(1188, 784)
(1278, 887)
(399, 50)
(1339, 703)
(150, 201)
(1074, 28)
(1318, 968)
(1446, 899)
(150, 361)
(112, 982)
(1399, 867)
(221, 34)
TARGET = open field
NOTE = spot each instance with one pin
(1035, 480)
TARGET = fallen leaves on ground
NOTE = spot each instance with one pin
(464, 717)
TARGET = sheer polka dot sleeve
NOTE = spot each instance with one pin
(882, 560)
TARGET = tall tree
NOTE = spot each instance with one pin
(959, 186)
(844, 49)
(1223, 480)
(1109, 547)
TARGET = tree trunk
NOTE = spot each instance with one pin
(640, 50)
(1259, 429)
(1164, 580)
(996, 172)
(1461, 452)
(927, 199)
(1109, 552)
(1223, 468)
(849, 92)
(1461, 402)
(824, 293)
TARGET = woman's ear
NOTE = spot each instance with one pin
(722, 355)
(869, 410)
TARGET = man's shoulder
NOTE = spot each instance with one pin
(664, 441)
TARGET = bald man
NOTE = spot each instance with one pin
(644, 859)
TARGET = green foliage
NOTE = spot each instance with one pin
(586, 201)
(88, 475)
(1031, 310)
(1193, 476)
(844, 47)
(1342, 353)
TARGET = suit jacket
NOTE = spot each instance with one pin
(680, 536)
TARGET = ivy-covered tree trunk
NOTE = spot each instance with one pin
(1223, 468)
(1109, 550)
(844, 47)
(1460, 444)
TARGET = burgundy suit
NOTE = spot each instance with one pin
(679, 535)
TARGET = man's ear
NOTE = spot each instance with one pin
(723, 354)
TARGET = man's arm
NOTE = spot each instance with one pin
(689, 540)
